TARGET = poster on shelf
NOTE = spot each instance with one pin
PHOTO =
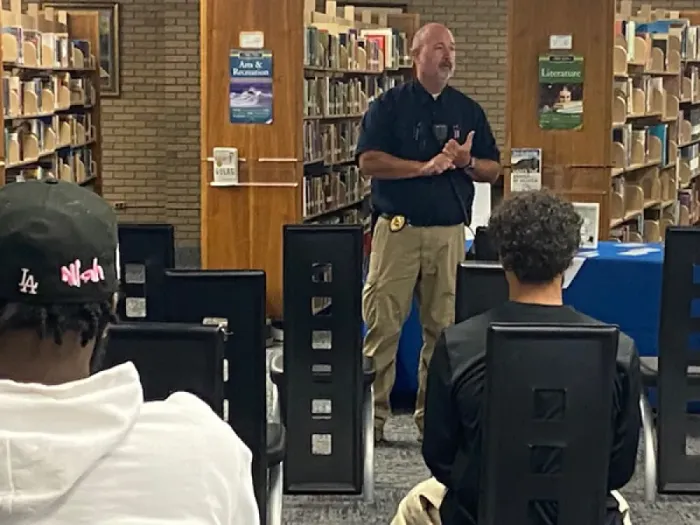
(525, 169)
(560, 104)
(250, 87)
(590, 215)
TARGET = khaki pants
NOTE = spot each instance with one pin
(428, 258)
(421, 505)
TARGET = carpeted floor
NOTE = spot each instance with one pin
(400, 465)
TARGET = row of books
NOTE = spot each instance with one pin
(692, 115)
(329, 191)
(366, 50)
(82, 92)
(332, 142)
(79, 124)
(623, 88)
(53, 49)
(71, 164)
(628, 136)
(325, 96)
(690, 155)
(658, 31)
(344, 51)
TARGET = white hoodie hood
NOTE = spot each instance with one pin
(92, 452)
(50, 436)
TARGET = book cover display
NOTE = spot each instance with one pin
(250, 87)
(560, 104)
(525, 169)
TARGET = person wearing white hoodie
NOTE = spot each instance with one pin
(81, 449)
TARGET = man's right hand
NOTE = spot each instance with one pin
(440, 163)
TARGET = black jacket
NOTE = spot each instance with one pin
(451, 444)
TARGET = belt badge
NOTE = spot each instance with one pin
(397, 223)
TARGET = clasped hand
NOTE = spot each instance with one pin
(453, 156)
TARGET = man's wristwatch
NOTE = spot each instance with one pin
(472, 163)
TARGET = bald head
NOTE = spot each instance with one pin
(433, 50)
(427, 32)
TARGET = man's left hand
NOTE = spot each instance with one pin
(461, 155)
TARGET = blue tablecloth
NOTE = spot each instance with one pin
(619, 285)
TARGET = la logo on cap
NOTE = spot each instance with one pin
(28, 284)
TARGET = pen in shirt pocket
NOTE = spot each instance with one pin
(416, 132)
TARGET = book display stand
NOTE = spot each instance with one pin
(637, 150)
(50, 93)
(284, 89)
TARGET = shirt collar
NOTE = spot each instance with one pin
(424, 97)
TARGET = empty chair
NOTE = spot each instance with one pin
(171, 358)
(549, 400)
(676, 371)
(325, 383)
(235, 299)
(145, 252)
(480, 287)
(484, 249)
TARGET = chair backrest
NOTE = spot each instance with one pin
(679, 348)
(323, 380)
(145, 252)
(171, 358)
(237, 298)
(484, 249)
(547, 423)
(480, 287)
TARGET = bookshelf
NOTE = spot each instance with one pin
(327, 68)
(656, 122)
(50, 93)
(637, 153)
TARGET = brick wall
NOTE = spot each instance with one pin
(151, 133)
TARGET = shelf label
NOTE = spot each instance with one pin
(561, 42)
(251, 39)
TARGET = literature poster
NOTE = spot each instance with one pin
(560, 104)
(250, 87)
(525, 169)
(590, 213)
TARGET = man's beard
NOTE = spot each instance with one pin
(446, 72)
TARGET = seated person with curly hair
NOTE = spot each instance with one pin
(537, 236)
(80, 449)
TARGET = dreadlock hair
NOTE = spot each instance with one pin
(54, 320)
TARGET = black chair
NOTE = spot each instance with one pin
(484, 248)
(676, 372)
(481, 286)
(325, 385)
(171, 358)
(145, 252)
(235, 300)
(548, 402)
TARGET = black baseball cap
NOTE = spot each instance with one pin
(58, 244)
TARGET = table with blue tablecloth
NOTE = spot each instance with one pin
(617, 283)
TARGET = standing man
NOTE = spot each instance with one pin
(424, 144)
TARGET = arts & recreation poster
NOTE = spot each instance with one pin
(250, 87)
(560, 104)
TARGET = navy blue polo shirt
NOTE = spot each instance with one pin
(409, 123)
